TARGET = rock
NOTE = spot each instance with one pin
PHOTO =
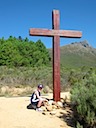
(4, 89)
(49, 108)
(57, 105)
(53, 112)
(62, 100)
(54, 106)
(44, 108)
(50, 102)
(45, 113)
(54, 103)
(60, 104)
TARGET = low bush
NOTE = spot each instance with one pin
(83, 96)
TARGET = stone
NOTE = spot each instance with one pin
(53, 112)
(60, 104)
(49, 108)
(54, 106)
(44, 108)
(50, 102)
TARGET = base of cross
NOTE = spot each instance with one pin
(56, 94)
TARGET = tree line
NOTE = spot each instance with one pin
(22, 52)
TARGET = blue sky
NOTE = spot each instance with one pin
(18, 16)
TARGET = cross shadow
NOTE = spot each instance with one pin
(67, 117)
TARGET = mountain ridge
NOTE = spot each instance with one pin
(77, 54)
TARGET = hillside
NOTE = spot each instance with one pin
(77, 54)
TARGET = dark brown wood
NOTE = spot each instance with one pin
(56, 34)
(56, 56)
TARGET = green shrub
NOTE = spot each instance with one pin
(84, 99)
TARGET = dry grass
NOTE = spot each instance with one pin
(20, 91)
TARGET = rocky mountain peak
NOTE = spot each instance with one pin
(82, 43)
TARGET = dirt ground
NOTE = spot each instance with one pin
(14, 114)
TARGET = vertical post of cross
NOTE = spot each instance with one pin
(56, 56)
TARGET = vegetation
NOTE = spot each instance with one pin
(22, 52)
(24, 64)
(84, 98)
(22, 77)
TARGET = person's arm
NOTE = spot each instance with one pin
(39, 97)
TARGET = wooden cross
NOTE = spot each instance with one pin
(56, 34)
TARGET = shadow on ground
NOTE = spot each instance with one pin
(68, 117)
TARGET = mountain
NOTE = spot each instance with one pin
(77, 54)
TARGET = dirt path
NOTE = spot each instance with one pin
(14, 114)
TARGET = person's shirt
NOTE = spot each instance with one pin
(35, 96)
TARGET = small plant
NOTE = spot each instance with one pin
(78, 125)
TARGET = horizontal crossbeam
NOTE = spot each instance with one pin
(51, 33)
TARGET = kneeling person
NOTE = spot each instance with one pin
(36, 100)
